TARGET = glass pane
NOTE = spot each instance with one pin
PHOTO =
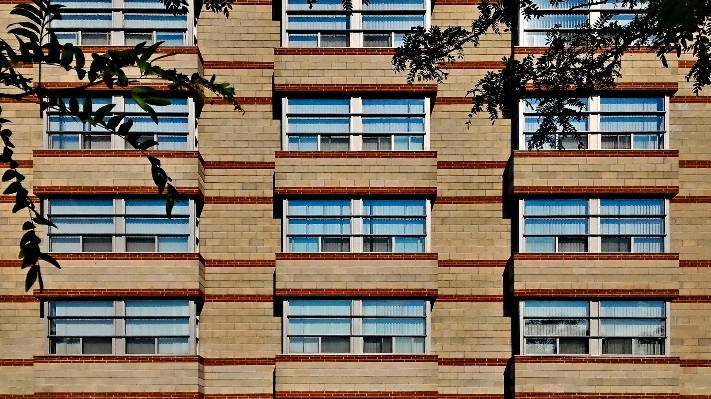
(377, 244)
(557, 327)
(335, 143)
(409, 344)
(303, 40)
(81, 206)
(303, 143)
(136, 346)
(303, 244)
(377, 40)
(65, 244)
(377, 143)
(65, 346)
(140, 244)
(303, 345)
(399, 326)
(173, 244)
(647, 346)
(81, 308)
(319, 308)
(97, 244)
(540, 244)
(334, 40)
(616, 244)
(318, 106)
(540, 346)
(158, 308)
(173, 346)
(171, 38)
(648, 244)
(335, 244)
(95, 38)
(632, 206)
(572, 244)
(569, 346)
(632, 309)
(312, 326)
(409, 244)
(133, 38)
(335, 344)
(97, 346)
(157, 327)
(95, 142)
(632, 327)
(617, 346)
(377, 344)
(387, 307)
(64, 141)
(155, 207)
(557, 207)
(556, 309)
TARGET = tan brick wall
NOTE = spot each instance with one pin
(239, 280)
(239, 231)
(471, 330)
(22, 335)
(470, 280)
(239, 329)
(471, 231)
(356, 376)
(239, 182)
(689, 231)
(690, 336)
(26, 126)
(694, 181)
(241, 379)
(229, 135)
(471, 380)
(355, 274)
(695, 381)
(688, 128)
(596, 274)
(249, 34)
(455, 141)
(470, 182)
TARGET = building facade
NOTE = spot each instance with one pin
(349, 236)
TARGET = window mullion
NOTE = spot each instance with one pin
(119, 343)
(357, 226)
(596, 343)
(357, 326)
(594, 140)
(356, 124)
(594, 226)
(119, 239)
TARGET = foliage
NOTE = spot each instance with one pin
(575, 64)
(36, 45)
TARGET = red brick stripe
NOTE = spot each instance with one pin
(253, 2)
(695, 363)
(690, 100)
(251, 298)
(355, 394)
(420, 191)
(592, 256)
(239, 200)
(355, 154)
(238, 396)
(15, 362)
(115, 395)
(470, 395)
(161, 87)
(468, 361)
(108, 190)
(114, 154)
(691, 199)
(695, 263)
(333, 51)
(357, 359)
(10, 263)
(468, 64)
(129, 256)
(632, 86)
(355, 88)
(17, 299)
(116, 359)
(239, 263)
(453, 101)
(240, 361)
(693, 299)
(354, 256)
(470, 298)
(471, 164)
(596, 293)
(597, 153)
(23, 163)
(238, 165)
(598, 190)
(355, 293)
(10, 199)
(596, 359)
(557, 395)
(469, 200)
(118, 293)
(237, 64)
(240, 101)
(471, 263)
(695, 164)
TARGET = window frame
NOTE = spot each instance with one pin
(354, 17)
(118, 338)
(118, 143)
(594, 134)
(355, 117)
(594, 244)
(356, 335)
(594, 337)
(119, 215)
(357, 215)
(117, 29)
(593, 13)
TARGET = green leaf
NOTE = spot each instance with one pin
(43, 221)
(28, 226)
(13, 187)
(21, 254)
(153, 160)
(28, 12)
(6, 155)
(10, 174)
(170, 201)
(144, 145)
(103, 112)
(160, 178)
(158, 101)
(73, 106)
(49, 259)
(86, 109)
(29, 238)
(125, 127)
(31, 278)
(20, 205)
(114, 122)
(30, 35)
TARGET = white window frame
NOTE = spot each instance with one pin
(119, 337)
(595, 339)
(355, 33)
(594, 134)
(356, 217)
(116, 32)
(594, 239)
(356, 126)
(118, 143)
(119, 217)
(593, 12)
(356, 340)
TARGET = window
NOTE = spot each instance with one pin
(567, 327)
(174, 132)
(131, 327)
(595, 225)
(121, 23)
(569, 16)
(121, 225)
(378, 24)
(637, 123)
(357, 124)
(356, 326)
(356, 225)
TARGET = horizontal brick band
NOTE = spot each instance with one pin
(470, 395)
(354, 256)
(119, 293)
(695, 263)
(23, 163)
(240, 361)
(240, 101)
(114, 154)
(471, 164)
(690, 100)
(469, 200)
(453, 101)
(251, 298)
(596, 359)
(334, 51)
(691, 199)
(238, 165)
(468, 64)
(129, 256)
(239, 263)
(116, 359)
(471, 263)
(419, 191)
(693, 299)
(355, 88)
(695, 362)
(686, 63)
(470, 298)
(109, 190)
(467, 361)
(116, 395)
(355, 154)
(10, 263)
(253, 2)
(695, 164)
(580, 395)
(541, 50)
(597, 153)
(10, 199)
(237, 64)
(237, 396)
(635, 86)
(592, 256)
(239, 200)
(357, 359)
(16, 100)
(16, 362)
(596, 190)
(596, 293)
(355, 394)
(355, 293)
(160, 87)
(17, 299)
